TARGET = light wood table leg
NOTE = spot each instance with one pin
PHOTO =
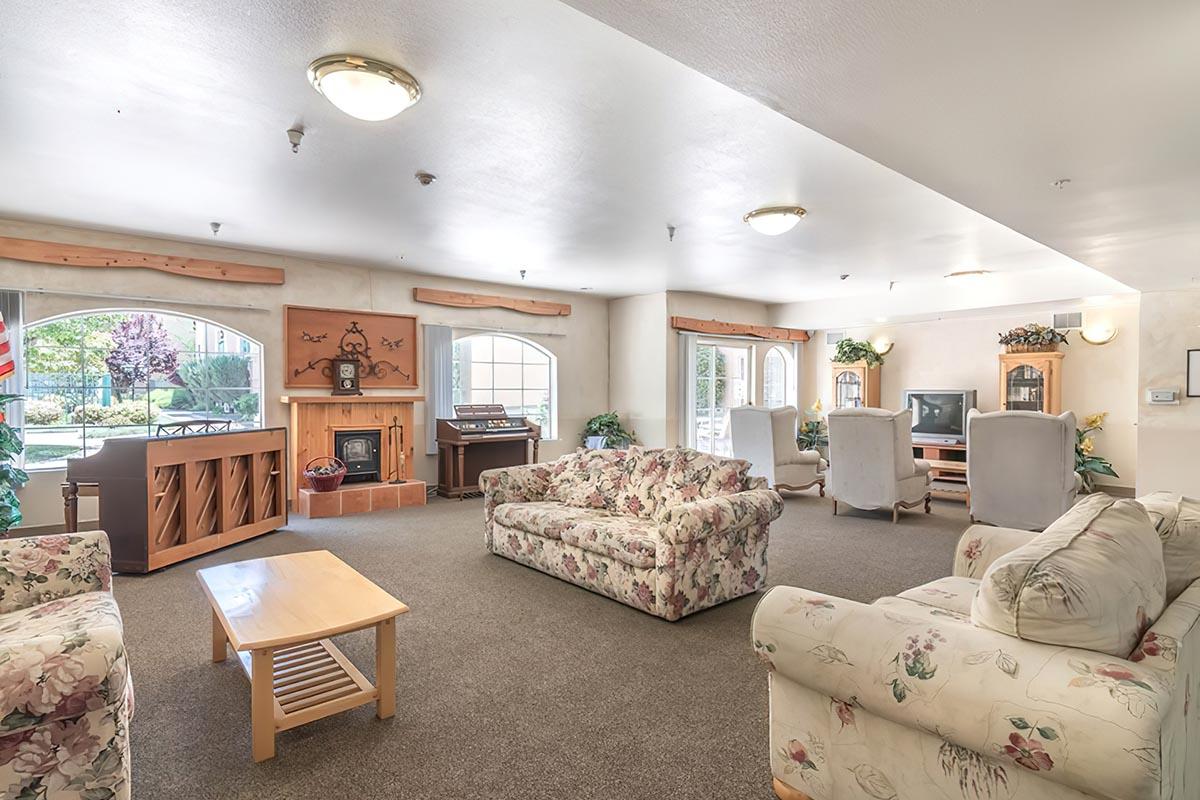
(219, 639)
(385, 668)
(262, 704)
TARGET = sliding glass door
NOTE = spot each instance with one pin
(722, 381)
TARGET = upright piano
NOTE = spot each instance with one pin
(481, 437)
(164, 499)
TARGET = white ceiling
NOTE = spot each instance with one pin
(986, 102)
(562, 146)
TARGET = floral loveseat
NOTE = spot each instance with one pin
(667, 531)
(65, 694)
(920, 696)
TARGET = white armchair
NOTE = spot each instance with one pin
(872, 464)
(1020, 467)
(767, 439)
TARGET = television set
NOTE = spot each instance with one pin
(939, 416)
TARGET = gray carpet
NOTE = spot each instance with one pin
(512, 684)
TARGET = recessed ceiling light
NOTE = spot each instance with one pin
(363, 87)
(774, 220)
(969, 273)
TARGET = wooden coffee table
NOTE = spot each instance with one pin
(277, 614)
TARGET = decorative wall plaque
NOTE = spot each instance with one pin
(383, 345)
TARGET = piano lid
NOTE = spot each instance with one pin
(479, 411)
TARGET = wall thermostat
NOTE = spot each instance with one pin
(1162, 397)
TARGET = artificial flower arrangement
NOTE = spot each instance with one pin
(1087, 463)
(1033, 338)
(813, 433)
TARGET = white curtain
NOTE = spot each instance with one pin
(11, 309)
(687, 389)
(439, 380)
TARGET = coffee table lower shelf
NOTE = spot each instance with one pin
(310, 681)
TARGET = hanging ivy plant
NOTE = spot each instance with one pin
(852, 350)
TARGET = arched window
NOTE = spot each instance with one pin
(101, 375)
(505, 369)
(779, 378)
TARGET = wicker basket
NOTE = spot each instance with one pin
(325, 482)
(1031, 348)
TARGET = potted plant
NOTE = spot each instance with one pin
(1087, 463)
(609, 426)
(813, 434)
(1033, 338)
(850, 351)
(11, 478)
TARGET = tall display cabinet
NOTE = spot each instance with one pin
(855, 385)
(1031, 382)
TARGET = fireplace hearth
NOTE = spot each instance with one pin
(359, 451)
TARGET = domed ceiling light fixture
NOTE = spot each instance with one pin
(774, 220)
(363, 87)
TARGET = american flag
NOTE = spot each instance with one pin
(7, 367)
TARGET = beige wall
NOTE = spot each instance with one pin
(579, 341)
(1168, 436)
(960, 353)
(638, 346)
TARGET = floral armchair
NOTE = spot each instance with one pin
(907, 697)
(65, 693)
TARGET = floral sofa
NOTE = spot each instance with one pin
(667, 531)
(922, 695)
(65, 693)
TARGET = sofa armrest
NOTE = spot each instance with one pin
(803, 457)
(980, 545)
(35, 569)
(689, 522)
(523, 484)
(1021, 702)
(1163, 646)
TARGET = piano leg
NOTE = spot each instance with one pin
(70, 493)
(462, 472)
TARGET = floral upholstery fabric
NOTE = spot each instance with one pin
(65, 692)
(871, 701)
(647, 547)
(1061, 587)
(952, 594)
(1177, 520)
(586, 478)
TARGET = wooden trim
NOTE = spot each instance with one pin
(785, 792)
(442, 297)
(78, 255)
(738, 329)
(328, 399)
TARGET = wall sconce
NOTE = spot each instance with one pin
(883, 346)
(1098, 334)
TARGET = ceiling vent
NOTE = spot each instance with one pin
(834, 338)
(1067, 321)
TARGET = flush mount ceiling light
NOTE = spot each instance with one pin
(775, 220)
(363, 87)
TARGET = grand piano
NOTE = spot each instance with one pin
(165, 499)
(481, 436)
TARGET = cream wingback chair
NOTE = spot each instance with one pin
(766, 437)
(871, 461)
(1021, 467)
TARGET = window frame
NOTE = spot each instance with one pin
(789, 374)
(256, 356)
(550, 430)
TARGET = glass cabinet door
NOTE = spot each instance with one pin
(1025, 389)
(848, 390)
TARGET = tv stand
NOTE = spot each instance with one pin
(948, 468)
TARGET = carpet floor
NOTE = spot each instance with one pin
(511, 684)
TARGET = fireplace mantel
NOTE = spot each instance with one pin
(313, 419)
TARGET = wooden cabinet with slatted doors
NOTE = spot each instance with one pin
(163, 500)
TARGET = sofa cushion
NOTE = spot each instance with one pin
(1177, 520)
(630, 540)
(949, 594)
(659, 478)
(544, 518)
(1093, 580)
(586, 478)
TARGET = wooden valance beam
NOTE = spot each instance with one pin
(712, 326)
(78, 255)
(442, 297)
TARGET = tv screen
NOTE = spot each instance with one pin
(941, 415)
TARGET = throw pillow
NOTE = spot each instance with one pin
(585, 478)
(1177, 520)
(1094, 580)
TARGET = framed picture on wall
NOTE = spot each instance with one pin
(1193, 373)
